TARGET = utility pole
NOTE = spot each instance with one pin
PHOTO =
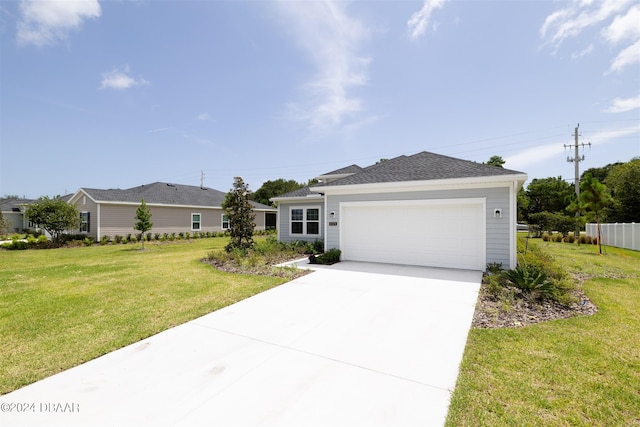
(576, 159)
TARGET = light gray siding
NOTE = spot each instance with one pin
(119, 219)
(16, 221)
(497, 233)
(85, 204)
(284, 221)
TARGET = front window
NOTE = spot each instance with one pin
(305, 221)
(225, 221)
(196, 222)
(84, 222)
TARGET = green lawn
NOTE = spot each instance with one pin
(62, 307)
(583, 371)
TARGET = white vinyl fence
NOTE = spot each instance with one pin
(624, 235)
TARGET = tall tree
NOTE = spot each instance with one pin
(600, 174)
(496, 161)
(241, 216)
(143, 220)
(595, 197)
(548, 195)
(54, 215)
(274, 188)
(624, 182)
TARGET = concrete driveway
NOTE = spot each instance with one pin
(354, 344)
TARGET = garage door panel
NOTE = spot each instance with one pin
(416, 234)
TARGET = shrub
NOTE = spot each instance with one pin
(570, 238)
(330, 257)
(42, 239)
(187, 235)
(318, 246)
(87, 241)
(494, 284)
(118, 238)
(532, 281)
(557, 237)
(149, 237)
(546, 237)
(104, 240)
(16, 245)
(31, 241)
(494, 267)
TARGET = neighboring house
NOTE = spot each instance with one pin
(13, 212)
(174, 208)
(426, 209)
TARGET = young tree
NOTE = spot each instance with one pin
(241, 216)
(143, 217)
(54, 215)
(595, 197)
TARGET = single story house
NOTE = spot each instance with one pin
(425, 209)
(174, 208)
(13, 212)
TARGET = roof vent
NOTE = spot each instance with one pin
(170, 185)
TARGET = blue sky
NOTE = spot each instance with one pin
(115, 94)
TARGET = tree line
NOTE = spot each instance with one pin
(612, 192)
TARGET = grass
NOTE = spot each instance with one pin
(582, 371)
(62, 307)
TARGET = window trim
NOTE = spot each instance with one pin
(305, 221)
(83, 223)
(199, 221)
(222, 221)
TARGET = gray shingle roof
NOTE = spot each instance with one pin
(165, 193)
(14, 205)
(345, 170)
(422, 166)
(300, 192)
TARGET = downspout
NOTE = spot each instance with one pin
(513, 233)
(326, 223)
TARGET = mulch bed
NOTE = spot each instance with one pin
(491, 312)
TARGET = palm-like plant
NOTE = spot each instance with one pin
(531, 280)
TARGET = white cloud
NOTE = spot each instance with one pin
(120, 79)
(575, 18)
(624, 27)
(546, 152)
(45, 23)
(332, 40)
(583, 52)
(621, 105)
(419, 21)
(203, 117)
(629, 55)
(533, 155)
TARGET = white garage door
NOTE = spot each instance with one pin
(439, 233)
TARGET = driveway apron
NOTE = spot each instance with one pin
(354, 344)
